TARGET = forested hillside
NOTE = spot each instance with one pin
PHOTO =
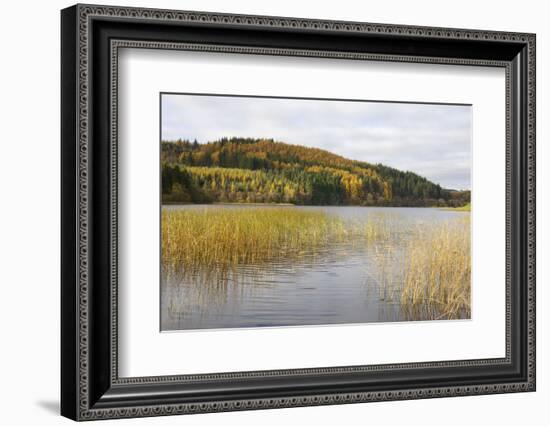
(266, 171)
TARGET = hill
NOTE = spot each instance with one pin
(267, 171)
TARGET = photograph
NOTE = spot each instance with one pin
(280, 211)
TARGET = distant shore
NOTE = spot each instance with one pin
(465, 208)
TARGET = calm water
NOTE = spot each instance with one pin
(336, 286)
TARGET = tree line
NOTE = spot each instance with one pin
(263, 170)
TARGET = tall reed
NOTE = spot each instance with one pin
(437, 271)
(228, 237)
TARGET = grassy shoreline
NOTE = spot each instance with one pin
(178, 203)
(465, 208)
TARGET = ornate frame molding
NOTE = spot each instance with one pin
(82, 16)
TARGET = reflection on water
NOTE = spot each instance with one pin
(342, 282)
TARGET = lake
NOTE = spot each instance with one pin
(341, 282)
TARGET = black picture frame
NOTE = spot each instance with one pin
(90, 386)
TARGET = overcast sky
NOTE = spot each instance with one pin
(431, 140)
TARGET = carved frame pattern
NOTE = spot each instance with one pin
(85, 13)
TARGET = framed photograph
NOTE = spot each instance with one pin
(263, 212)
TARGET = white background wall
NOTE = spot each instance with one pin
(29, 213)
